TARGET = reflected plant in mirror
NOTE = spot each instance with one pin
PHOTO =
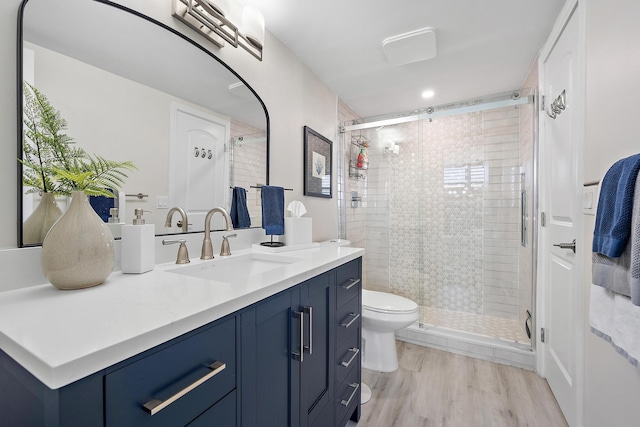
(52, 166)
(134, 88)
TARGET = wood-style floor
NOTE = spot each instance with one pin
(437, 388)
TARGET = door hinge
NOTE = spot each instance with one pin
(543, 219)
(542, 101)
(543, 335)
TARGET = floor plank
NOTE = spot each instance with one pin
(434, 388)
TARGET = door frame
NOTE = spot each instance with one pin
(571, 8)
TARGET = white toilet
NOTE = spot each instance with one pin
(382, 315)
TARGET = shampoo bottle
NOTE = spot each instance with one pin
(138, 245)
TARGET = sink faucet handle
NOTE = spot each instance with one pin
(183, 253)
(225, 249)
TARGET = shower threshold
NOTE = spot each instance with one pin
(472, 344)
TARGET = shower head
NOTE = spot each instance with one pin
(392, 149)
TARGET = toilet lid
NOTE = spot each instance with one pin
(384, 302)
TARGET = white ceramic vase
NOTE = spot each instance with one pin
(36, 227)
(78, 250)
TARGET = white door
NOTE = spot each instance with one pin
(199, 178)
(561, 189)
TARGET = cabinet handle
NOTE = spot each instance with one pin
(309, 310)
(355, 386)
(355, 352)
(296, 355)
(154, 406)
(351, 285)
(355, 316)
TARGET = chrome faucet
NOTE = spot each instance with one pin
(207, 248)
(182, 222)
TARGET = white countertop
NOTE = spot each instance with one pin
(63, 336)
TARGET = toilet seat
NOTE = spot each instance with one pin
(382, 302)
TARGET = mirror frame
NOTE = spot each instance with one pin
(20, 105)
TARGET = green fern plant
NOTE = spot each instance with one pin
(94, 175)
(52, 164)
(44, 143)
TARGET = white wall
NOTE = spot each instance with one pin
(293, 95)
(612, 385)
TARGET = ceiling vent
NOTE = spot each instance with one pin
(414, 46)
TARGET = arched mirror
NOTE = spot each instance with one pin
(133, 89)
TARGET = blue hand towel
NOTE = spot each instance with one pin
(239, 212)
(615, 206)
(273, 210)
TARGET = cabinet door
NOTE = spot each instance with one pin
(317, 376)
(270, 373)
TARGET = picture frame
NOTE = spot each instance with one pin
(318, 181)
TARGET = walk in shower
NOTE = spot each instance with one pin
(442, 199)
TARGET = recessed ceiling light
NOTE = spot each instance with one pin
(428, 94)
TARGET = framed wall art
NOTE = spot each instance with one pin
(317, 164)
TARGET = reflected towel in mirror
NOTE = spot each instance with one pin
(239, 212)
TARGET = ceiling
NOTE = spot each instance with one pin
(483, 46)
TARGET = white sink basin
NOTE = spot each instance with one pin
(236, 269)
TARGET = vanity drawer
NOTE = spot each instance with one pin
(347, 395)
(184, 376)
(347, 356)
(348, 281)
(348, 319)
(222, 414)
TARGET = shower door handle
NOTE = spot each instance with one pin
(571, 245)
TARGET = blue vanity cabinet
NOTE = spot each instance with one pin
(348, 324)
(278, 362)
(116, 396)
(294, 348)
(317, 376)
(270, 386)
(25, 401)
(287, 356)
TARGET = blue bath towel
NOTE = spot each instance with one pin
(615, 206)
(239, 212)
(273, 210)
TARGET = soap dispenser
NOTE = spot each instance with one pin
(138, 245)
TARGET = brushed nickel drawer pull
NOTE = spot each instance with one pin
(309, 310)
(351, 285)
(355, 316)
(300, 356)
(355, 386)
(154, 406)
(355, 352)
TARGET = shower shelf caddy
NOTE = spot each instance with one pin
(358, 142)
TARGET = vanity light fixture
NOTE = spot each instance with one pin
(209, 20)
(253, 26)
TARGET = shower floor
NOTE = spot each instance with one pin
(495, 327)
